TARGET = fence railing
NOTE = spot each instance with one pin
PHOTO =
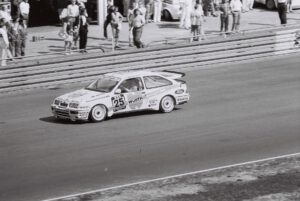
(165, 41)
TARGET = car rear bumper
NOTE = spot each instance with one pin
(183, 98)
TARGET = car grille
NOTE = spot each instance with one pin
(63, 104)
(60, 112)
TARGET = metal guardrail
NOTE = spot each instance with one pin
(51, 54)
(165, 41)
(229, 33)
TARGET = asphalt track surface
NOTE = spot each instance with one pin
(237, 113)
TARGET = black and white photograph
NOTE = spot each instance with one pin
(150, 100)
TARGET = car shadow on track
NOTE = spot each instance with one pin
(52, 119)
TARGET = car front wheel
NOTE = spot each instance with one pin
(98, 113)
(270, 4)
(167, 104)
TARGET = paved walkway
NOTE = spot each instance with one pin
(255, 19)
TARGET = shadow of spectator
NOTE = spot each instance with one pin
(168, 26)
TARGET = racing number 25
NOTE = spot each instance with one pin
(118, 101)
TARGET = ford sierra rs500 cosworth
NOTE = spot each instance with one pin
(122, 92)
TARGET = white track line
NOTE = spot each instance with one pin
(173, 176)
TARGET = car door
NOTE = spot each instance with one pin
(132, 96)
(156, 87)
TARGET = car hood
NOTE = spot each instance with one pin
(82, 95)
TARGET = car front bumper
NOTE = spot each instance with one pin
(69, 113)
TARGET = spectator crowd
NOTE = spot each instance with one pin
(13, 30)
(74, 19)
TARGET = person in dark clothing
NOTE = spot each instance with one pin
(224, 16)
(110, 10)
(282, 9)
(83, 30)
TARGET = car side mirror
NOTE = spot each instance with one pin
(118, 91)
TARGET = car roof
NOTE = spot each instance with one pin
(132, 73)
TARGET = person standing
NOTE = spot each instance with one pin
(107, 21)
(116, 25)
(149, 10)
(236, 9)
(142, 9)
(138, 23)
(250, 4)
(4, 14)
(245, 7)
(15, 42)
(24, 12)
(289, 6)
(224, 16)
(73, 12)
(4, 42)
(83, 30)
(157, 10)
(197, 22)
(282, 9)
(130, 17)
(68, 36)
(185, 19)
(23, 36)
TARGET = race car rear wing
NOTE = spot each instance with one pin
(172, 74)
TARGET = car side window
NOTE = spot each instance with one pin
(131, 85)
(156, 81)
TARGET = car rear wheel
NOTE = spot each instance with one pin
(166, 15)
(167, 104)
(98, 113)
(270, 4)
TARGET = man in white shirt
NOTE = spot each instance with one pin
(236, 8)
(157, 10)
(73, 12)
(186, 9)
(4, 14)
(4, 43)
(24, 12)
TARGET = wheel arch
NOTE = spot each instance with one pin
(94, 105)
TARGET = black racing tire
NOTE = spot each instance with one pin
(98, 113)
(270, 4)
(166, 15)
(167, 104)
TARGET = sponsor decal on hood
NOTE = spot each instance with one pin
(82, 95)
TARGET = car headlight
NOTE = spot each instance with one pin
(57, 102)
(73, 105)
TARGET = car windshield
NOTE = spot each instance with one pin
(104, 84)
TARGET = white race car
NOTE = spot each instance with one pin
(123, 92)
